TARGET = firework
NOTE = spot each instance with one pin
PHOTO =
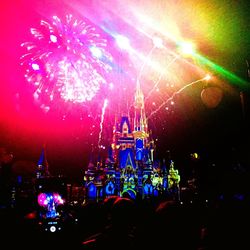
(170, 99)
(66, 61)
(101, 122)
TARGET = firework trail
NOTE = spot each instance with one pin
(101, 123)
(174, 94)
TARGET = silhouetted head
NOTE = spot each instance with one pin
(123, 213)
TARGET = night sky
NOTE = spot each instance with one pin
(207, 117)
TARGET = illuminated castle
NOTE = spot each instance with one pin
(130, 169)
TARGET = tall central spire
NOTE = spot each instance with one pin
(139, 97)
(140, 122)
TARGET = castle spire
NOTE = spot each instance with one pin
(140, 123)
(42, 164)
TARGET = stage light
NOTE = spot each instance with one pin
(187, 48)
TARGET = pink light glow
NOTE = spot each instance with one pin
(42, 199)
(58, 199)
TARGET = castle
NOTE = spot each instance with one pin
(130, 169)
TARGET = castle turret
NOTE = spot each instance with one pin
(42, 164)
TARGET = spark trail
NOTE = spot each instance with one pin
(101, 122)
(174, 94)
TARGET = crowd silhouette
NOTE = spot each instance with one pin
(218, 219)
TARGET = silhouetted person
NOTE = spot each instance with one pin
(228, 225)
(119, 233)
(175, 226)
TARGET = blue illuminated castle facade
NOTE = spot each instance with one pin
(130, 168)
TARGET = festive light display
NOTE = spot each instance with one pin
(71, 64)
(66, 61)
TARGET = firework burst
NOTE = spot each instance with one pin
(67, 61)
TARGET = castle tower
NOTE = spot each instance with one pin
(42, 165)
(129, 168)
(140, 124)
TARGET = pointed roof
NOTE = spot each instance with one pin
(43, 158)
(125, 122)
(43, 161)
(126, 158)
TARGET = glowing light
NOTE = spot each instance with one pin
(187, 48)
(42, 199)
(57, 198)
(53, 38)
(96, 52)
(122, 42)
(69, 65)
(101, 123)
(35, 66)
(207, 77)
(195, 156)
(52, 229)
